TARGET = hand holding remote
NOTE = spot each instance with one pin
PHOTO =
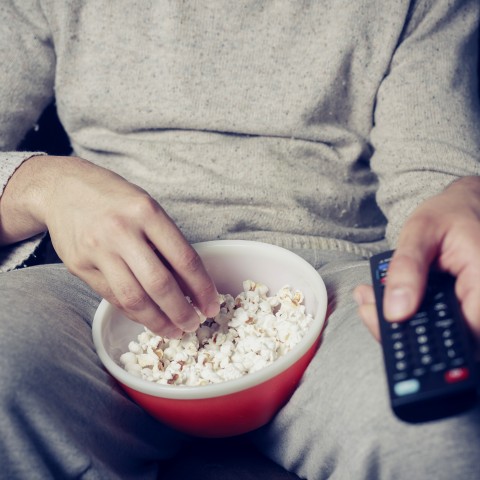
(429, 361)
(445, 230)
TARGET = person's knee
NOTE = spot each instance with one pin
(443, 449)
(339, 423)
(368, 444)
(39, 326)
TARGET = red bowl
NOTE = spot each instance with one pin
(235, 406)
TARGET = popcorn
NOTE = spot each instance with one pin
(250, 332)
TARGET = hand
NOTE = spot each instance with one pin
(116, 238)
(445, 229)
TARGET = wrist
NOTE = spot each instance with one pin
(23, 205)
(466, 192)
(470, 183)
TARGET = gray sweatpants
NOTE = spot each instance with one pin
(62, 416)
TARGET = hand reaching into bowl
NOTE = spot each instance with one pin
(112, 235)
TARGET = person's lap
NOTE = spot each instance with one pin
(338, 424)
(62, 415)
(61, 410)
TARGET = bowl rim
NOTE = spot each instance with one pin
(106, 310)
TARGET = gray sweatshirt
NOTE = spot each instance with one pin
(316, 124)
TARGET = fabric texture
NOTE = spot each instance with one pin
(62, 415)
(338, 424)
(318, 126)
(286, 122)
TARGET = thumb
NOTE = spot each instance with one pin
(417, 247)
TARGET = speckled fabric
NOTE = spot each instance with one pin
(317, 124)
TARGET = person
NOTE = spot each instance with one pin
(334, 129)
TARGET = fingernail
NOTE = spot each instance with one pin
(173, 332)
(212, 309)
(398, 303)
(192, 325)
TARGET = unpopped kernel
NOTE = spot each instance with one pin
(250, 332)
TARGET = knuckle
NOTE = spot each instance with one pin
(144, 207)
(468, 230)
(206, 290)
(190, 261)
(78, 266)
(91, 241)
(420, 219)
(132, 299)
(111, 298)
(159, 323)
(403, 265)
(115, 223)
(160, 283)
(421, 223)
(183, 315)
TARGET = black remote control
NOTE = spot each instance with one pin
(429, 358)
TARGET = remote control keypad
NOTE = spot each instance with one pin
(429, 362)
(427, 343)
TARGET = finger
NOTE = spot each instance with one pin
(365, 298)
(187, 265)
(470, 308)
(161, 286)
(368, 313)
(461, 257)
(467, 292)
(364, 294)
(408, 270)
(132, 297)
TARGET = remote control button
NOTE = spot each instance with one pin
(423, 349)
(397, 335)
(442, 314)
(398, 345)
(438, 296)
(438, 367)
(449, 342)
(457, 375)
(426, 359)
(418, 372)
(451, 353)
(399, 354)
(457, 362)
(420, 330)
(397, 377)
(448, 322)
(401, 365)
(439, 306)
(447, 333)
(419, 318)
(422, 339)
(406, 387)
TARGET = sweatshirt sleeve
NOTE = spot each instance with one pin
(26, 88)
(427, 117)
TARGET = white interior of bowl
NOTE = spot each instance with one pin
(229, 262)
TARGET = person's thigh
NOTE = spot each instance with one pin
(61, 414)
(339, 425)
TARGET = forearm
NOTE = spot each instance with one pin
(113, 235)
(24, 202)
(427, 115)
(18, 211)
